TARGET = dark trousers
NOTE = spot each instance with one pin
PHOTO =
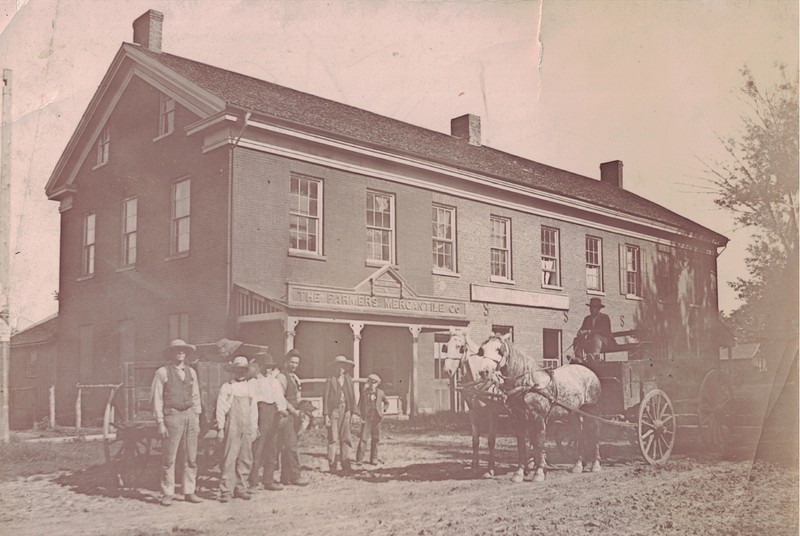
(370, 431)
(290, 461)
(265, 447)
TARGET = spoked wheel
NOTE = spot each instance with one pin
(657, 427)
(712, 411)
(127, 455)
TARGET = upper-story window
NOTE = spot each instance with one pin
(181, 193)
(305, 214)
(594, 263)
(88, 244)
(633, 271)
(380, 227)
(550, 257)
(103, 146)
(501, 247)
(444, 238)
(129, 224)
(166, 115)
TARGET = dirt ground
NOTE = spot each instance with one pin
(424, 488)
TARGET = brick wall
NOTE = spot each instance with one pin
(157, 285)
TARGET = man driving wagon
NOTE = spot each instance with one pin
(594, 336)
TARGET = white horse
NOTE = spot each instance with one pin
(536, 395)
(479, 375)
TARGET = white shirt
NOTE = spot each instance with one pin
(268, 389)
(227, 391)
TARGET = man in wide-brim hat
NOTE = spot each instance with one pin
(595, 336)
(176, 405)
(237, 423)
(339, 408)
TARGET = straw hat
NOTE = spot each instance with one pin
(178, 344)
(238, 364)
(342, 360)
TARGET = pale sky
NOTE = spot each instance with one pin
(566, 83)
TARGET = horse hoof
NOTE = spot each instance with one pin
(576, 469)
(488, 474)
(516, 478)
(596, 467)
(538, 477)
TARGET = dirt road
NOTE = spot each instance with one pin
(424, 489)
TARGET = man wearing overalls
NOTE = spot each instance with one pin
(176, 405)
(237, 422)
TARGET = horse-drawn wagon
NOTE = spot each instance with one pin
(629, 392)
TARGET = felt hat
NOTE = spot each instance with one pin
(239, 364)
(178, 344)
(342, 360)
(294, 352)
(595, 302)
(375, 378)
(265, 360)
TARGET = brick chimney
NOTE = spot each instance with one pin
(467, 127)
(611, 173)
(147, 30)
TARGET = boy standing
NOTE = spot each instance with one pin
(237, 422)
(372, 406)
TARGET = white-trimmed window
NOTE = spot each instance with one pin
(594, 263)
(380, 227)
(166, 115)
(129, 224)
(305, 214)
(103, 146)
(440, 341)
(87, 265)
(550, 257)
(633, 271)
(501, 247)
(181, 194)
(444, 238)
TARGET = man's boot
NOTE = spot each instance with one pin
(373, 453)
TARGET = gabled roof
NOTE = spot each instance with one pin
(339, 120)
(43, 331)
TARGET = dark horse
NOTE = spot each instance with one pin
(482, 395)
(536, 395)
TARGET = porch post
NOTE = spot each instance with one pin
(357, 327)
(290, 324)
(415, 330)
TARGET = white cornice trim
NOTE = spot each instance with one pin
(404, 179)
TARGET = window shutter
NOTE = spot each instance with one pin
(622, 264)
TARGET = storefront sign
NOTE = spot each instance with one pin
(313, 298)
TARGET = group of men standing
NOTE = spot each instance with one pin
(257, 419)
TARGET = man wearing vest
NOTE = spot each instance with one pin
(176, 404)
(339, 408)
(290, 460)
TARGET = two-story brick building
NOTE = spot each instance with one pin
(201, 203)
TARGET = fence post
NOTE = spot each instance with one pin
(78, 410)
(52, 407)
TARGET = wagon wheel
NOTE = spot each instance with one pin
(712, 411)
(127, 455)
(657, 426)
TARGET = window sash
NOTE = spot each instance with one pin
(305, 214)
(181, 209)
(380, 227)
(632, 271)
(88, 243)
(129, 225)
(550, 271)
(443, 221)
(594, 260)
(500, 249)
(103, 144)
(166, 123)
